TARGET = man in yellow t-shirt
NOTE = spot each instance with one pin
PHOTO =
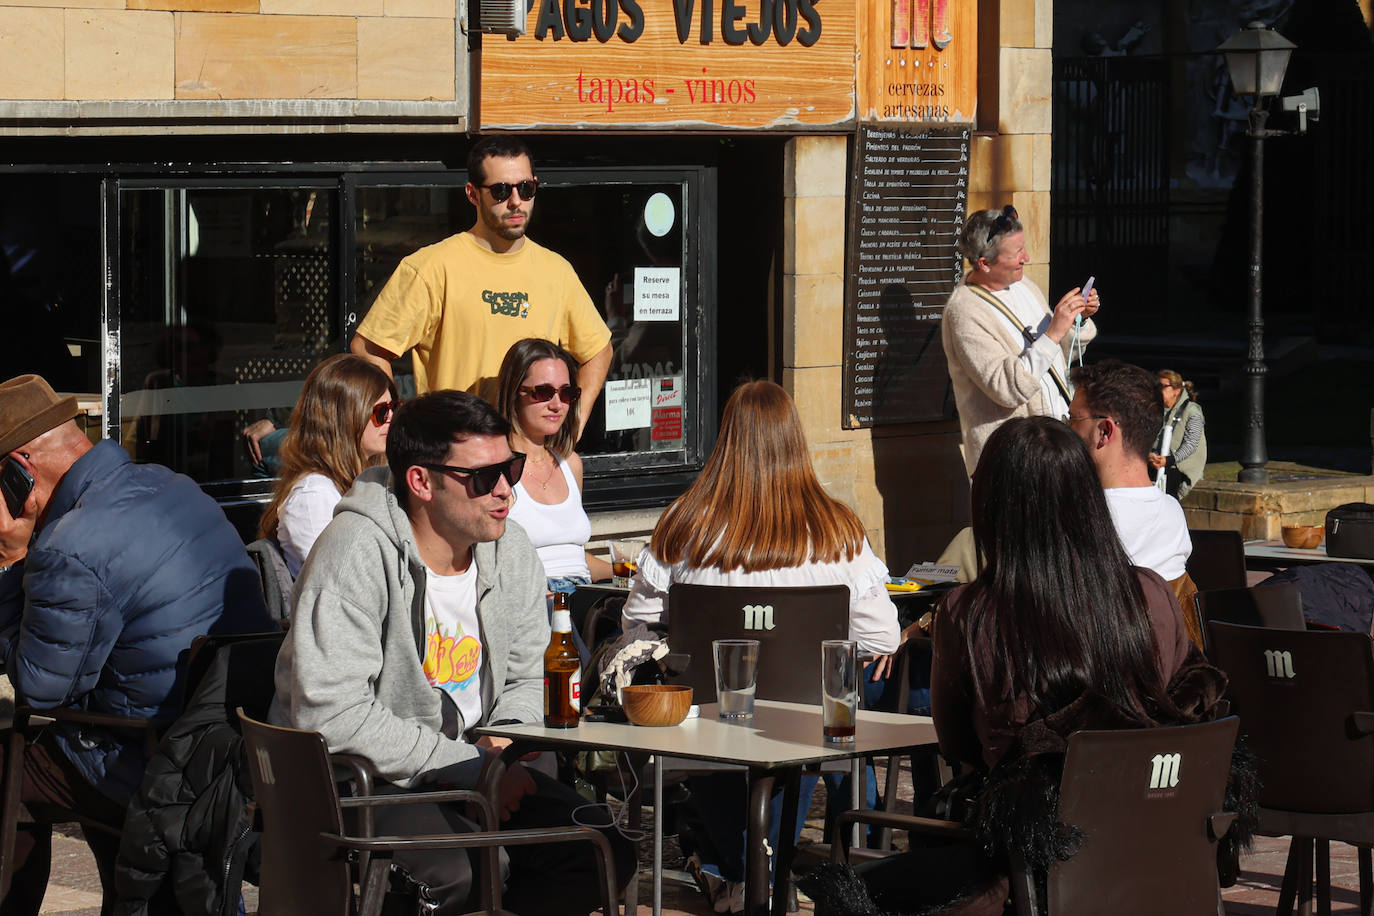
(460, 304)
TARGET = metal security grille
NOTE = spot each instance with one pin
(1110, 190)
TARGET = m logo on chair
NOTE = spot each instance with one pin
(758, 617)
(265, 767)
(1279, 662)
(1164, 770)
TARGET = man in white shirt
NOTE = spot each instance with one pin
(1115, 410)
(419, 615)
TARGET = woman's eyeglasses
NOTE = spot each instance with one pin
(484, 478)
(568, 394)
(501, 190)
(381, 414)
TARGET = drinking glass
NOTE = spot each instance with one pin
(839, 689)
(737, 674)
(624, 561)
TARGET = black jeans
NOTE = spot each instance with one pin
(551, 878)
(50, 779)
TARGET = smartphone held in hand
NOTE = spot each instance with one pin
(17, 483)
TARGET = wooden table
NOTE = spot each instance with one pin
(781, 739)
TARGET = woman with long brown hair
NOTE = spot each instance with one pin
(338, 428)
(757, 515)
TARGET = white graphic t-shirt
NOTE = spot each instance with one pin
(453, 640)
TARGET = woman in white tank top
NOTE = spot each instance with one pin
(538, 395)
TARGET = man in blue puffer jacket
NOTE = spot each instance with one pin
(112, 570)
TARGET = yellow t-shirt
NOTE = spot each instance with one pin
(459, 307)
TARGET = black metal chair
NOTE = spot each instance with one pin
(29, 722)
(306, 852)
(1149, 804)
(1307, 700)
(1278, 606)
(1217, 560)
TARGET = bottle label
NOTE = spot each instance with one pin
(562, 622)
(575, 689)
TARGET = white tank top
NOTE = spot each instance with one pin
(559, 532)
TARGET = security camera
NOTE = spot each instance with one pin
(502, 17)
(1307, 105)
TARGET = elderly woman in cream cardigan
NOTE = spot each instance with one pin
(1008, 353)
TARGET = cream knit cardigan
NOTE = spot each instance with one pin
(991, 384)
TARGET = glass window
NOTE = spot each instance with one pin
(50, 282)
(231, 289)
(629, 239)
(227, 300)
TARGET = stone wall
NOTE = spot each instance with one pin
(103, 50)
(1261, 510)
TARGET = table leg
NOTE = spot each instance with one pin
(787, 846)
(658, 835)
(756, 835)
(856, 799)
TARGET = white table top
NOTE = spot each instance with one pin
(1277, 550)
(780, 735)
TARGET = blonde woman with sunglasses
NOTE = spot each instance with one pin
(538, 395)
(338, 428)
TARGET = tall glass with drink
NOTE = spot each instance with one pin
(839, 689)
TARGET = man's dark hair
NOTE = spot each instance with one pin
(423, 429)
(502, 146)
(1129, 395)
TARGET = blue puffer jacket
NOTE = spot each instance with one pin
(130, 565)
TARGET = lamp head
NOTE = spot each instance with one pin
(1257, 58)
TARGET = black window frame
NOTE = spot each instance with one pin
(616, 481)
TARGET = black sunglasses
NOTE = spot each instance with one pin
(382, 412)
(999, 225)
(484, 478)
(568, 394)
(501, 189)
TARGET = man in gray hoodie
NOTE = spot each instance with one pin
(420, 614)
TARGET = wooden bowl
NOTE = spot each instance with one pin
(656, 704)
(1303, 535)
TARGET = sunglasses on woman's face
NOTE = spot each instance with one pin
(381, 414)
(568, 394)
(484, 478)
(500, 190)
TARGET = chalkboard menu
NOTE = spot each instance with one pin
(906, 209)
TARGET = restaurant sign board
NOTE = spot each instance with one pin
(705, 64)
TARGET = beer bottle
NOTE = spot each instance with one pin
(562, 670)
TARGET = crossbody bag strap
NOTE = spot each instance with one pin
(1026, 332)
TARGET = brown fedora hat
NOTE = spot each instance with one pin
(29, 408)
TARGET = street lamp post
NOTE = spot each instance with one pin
(1256, 58)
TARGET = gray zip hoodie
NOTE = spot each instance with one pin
(351, 664)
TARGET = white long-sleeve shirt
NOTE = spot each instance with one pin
(872, 615)
(303, 515)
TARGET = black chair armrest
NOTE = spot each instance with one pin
(149, 728)
(1219, 823)
(486, 815)
(490, 840)
(839, 845)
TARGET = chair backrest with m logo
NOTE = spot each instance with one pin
(788, 622)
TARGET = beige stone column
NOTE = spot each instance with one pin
(1013, 166)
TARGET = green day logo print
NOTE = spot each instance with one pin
(514, 305)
